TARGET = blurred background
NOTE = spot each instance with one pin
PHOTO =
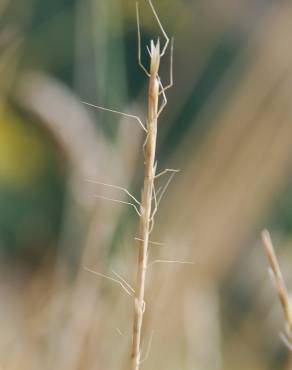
(227, 127)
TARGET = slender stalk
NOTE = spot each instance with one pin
(275, 268)
(283, 294)
(146, 213)
(146, 204)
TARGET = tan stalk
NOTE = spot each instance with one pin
(147, 210)
(283, 294)
(148, 193)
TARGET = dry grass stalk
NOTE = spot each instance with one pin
(283, 294)
(149, 199)
(147, 208)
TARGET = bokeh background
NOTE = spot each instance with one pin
(227, 127)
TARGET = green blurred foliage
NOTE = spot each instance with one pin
(31, 187)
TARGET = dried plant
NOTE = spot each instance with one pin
(147, 207)
(147, 212)
(283, 294)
